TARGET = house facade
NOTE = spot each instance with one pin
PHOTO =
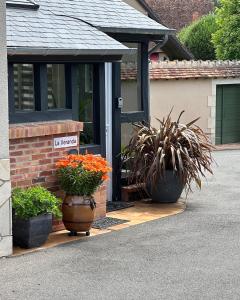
(64, 85)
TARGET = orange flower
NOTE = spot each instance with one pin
(89, 162)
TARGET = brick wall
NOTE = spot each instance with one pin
(33, 157)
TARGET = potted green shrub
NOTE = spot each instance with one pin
(32, 216)
(80, 176)
(167, 159)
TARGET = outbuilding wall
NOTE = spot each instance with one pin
(190, 95)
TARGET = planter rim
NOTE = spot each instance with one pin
(32, 218)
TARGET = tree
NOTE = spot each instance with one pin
(227, 38)
(197, 37)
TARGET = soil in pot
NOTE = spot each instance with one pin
(78, 214)
(31, 233)
(167, 189)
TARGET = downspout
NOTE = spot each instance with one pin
(159, 44)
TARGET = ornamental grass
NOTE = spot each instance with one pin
(182, 148)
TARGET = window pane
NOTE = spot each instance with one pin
(131, 83)
(127, 132)
(56, 86)
(85, 96)
(23, 87)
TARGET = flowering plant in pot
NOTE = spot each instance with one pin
(169, 158)
(33, 209)
(80, 176)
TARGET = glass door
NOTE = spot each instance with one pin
(134, 90)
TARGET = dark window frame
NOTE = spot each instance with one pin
(143, 88)
(99, 145)
(42, 113)
(119, 117)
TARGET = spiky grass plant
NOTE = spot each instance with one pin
(184, 149)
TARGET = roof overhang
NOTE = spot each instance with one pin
(68, 52)
(138, 31)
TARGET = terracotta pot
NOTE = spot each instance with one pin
(78, 214)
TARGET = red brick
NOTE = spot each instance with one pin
(24, 183)
(38, 180)
(23, 146)
(46, 173)
(38, 156)
(39, 145)
(23, 159)
(45, 138)
(12, 159)
(16, 141)
(23, 170)
(16, 153)
(16, 178)
(44, 161)
(54, 154)
(46, 150)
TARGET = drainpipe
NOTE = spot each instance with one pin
(159, 44)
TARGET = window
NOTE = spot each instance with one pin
(51, 91)
(131, 79)
(56, 86)
(86, 102)
(24, 99)
(37, 92)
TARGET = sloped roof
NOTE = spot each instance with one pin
(73, 27)
(187, 70)
(43, 33)
(107, 15)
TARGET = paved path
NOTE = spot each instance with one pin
(195, 255)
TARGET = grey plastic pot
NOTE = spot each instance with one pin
(33, 232)
(167, 190)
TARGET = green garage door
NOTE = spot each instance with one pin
(228, 114)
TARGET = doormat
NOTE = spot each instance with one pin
(113, 206)
(108, 222)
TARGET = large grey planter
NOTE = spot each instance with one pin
(167, 190)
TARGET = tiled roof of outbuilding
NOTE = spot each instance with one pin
(74, 27)
(186, 70)
(195, 70)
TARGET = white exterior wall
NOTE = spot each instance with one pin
(5, 185)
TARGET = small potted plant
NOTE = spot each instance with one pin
(32, 216)
(80, 176)
(167, 159)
